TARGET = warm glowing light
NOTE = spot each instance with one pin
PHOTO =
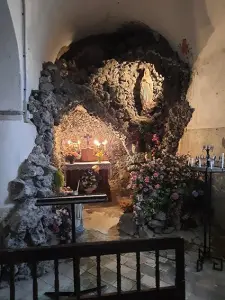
(105, 142)
(69, 142)
(78, 142)
(96, 142)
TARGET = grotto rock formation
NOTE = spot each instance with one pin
(132, 80)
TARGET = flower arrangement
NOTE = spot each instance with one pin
(72, 151)
(62, 225)
(160, 184)
(89, 181)
(126, 205)
(100, 154)
(100, 149)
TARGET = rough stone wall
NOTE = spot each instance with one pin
(138, 78)
(132, 80)
(76, 125)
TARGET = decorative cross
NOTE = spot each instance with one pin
(208, 148)
(87, 137)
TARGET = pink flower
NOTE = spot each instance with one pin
(155, 138)
(157, 186)
(147, 179)
(156, 174)
(134, 177)
(175, 196)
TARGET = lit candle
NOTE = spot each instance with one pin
(222, 162)
(211, 164)
(96, 142)
(78, 142)
(189, 161)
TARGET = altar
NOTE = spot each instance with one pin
(73, 174)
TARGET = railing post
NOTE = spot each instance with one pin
(35, 284)
(56, 281)
(138, 271)
(77, 277)
(118, 267)
(12, 282)
(99, 290)
(180, 270)
(157, 274)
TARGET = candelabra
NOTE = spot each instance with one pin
(205, 250)
(208, 148)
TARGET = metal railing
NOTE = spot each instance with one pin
(98, 249)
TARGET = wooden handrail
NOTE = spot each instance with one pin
(32, 256)
(14, 256)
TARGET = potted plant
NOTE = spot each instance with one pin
(89, 181)
(59, 180)
(62, 225)
(72, 156)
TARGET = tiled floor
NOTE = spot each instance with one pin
(205, 285)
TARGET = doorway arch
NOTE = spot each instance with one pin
(10, 83)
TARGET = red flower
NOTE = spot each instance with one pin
(155, 138)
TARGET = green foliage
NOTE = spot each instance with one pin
(59, 179)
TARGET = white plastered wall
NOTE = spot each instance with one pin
(17, 137)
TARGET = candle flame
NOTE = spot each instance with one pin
(96, 142)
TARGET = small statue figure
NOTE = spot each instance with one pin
(146, 90)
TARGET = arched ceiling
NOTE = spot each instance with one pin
(54, 23)
(59, 22)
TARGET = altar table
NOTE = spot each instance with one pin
(73, 173)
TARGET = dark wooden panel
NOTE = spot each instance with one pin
(88, 249)
(166, 293)
(79, 199)
(77, 251)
